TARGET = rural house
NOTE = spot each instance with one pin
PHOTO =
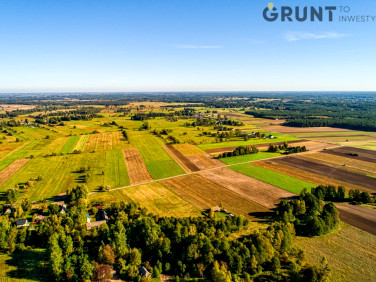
(22, 223)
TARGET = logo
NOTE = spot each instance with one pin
(299, 14)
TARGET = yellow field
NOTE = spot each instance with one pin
(81, 143)
(188, 149)
(154, 197)
(105, 141)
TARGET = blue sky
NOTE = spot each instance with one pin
(181, 45)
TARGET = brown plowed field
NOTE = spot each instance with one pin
(361, 217)
(307, 176)
(344, 155)
(250, 188)
(266, 145)
(205, 194)
(352, 164)
(368, 154)
(331, 171)
(11, 169)
(182, 160)
(137, 170)
(205, 161)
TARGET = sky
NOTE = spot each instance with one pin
(182, 45)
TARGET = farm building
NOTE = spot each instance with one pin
(144, 272)
(22, 223)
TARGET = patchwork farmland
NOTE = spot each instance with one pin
(166, 160)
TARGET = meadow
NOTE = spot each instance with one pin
(274, 178)
(250, 158)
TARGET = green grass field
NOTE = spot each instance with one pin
(157, 160)
(70, 144)
(59, 173)
(116, 174)
(272, 177)
(279, 138)
(249, 158)
(19, 154)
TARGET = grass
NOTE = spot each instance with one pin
(81, 143)
(249, 158)
(279, 138)
(157, 160)
(349, 251)
(69, 145)
(274, 178)
(28, 265)
(154, 197)
(59, 173)
(116, 174)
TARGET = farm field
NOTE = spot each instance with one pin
(69, 145)
(278, 138)
(80, 145)
(205, 194)
(305, 175)
(349, 252)
(249, 188)
(353, 164)
(182, 160)
(205, 161)
(286, 182)
(309, 130)
(105, 141)
(137, 170)
(329, 170)
(59, 173)
(153, 196)
(116, 174)
(250, 157)
(11, 169)
(189, 149)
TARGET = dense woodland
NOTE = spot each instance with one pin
(180, 247)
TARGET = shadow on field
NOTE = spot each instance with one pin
(263, 216)
(30, 265)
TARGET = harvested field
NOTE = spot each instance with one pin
(349, 251)
(368, 155)
(304, 175)
(182, 160)
(205, 194)
(189, 149)
(352, 163)
(331, 171)
(11, 169)
(314, 146)
(81, 143)
(260, 146)
(105, 141)
(153, 196)
(250, 188)
(332, 136)
(205, 161)
(345, 155)
(358, 216)
(137, 170)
